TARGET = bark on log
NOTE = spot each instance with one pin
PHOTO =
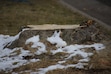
(70, 33)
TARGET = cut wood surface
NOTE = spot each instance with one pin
(52, 27)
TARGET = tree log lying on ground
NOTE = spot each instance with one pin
(70, 33)
(52, 27)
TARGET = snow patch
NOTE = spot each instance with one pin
(59, 66)
(36, 44)
(50, 68)
(55, 39)
(34, 39)
(56, 51)
(6, 40)
(10, 59)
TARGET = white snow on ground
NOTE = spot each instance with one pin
(59, 66)
(52, 67)
(55, 39)
(7, 40)
(74, 50)
(33, 39)
(10, 59)
(36, 44)
(13, 58)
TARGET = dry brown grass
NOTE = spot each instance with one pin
(13, 15)
(67, 71)
(102, 58)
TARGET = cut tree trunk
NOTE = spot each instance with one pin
(70, 33)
